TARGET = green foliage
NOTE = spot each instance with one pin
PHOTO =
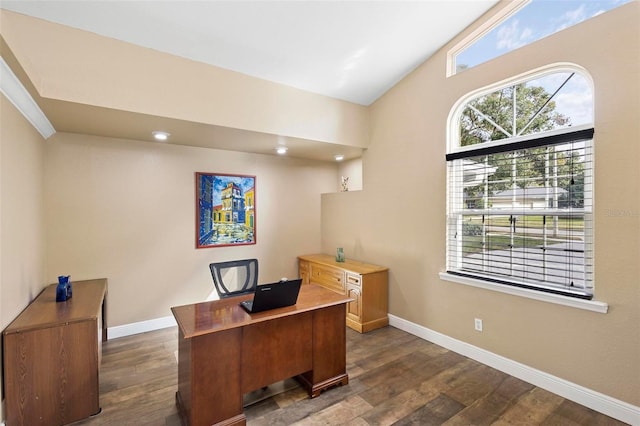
(491, 117)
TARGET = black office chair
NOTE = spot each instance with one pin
(235, 277)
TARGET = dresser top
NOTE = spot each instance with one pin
(45, 312)
(348, 264)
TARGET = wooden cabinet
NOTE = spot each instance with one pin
(366, 284)
(52, 354)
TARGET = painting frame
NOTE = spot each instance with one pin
(225, 209)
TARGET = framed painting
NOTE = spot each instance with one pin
(225, 210)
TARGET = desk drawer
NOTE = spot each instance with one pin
(354, 279)
(328, 277)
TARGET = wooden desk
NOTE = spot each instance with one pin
(223, 352)
(52, 354)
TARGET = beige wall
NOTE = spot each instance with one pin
(398, 220)
(21, 213)
(22, 245)
(125, 210)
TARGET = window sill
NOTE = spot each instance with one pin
(589, 305)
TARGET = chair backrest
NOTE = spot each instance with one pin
(235, 277)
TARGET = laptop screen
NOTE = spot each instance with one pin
(274, 295)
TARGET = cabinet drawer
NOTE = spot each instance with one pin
(354, 279)
(328, 277)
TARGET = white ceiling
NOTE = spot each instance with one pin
(350, 50)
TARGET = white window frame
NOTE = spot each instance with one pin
(454, 147)
(510, 9)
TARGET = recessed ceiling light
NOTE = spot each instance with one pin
(160, 136)
(339, 157)
(281, 150)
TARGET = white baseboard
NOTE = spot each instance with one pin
(140, 327)
(597, 401)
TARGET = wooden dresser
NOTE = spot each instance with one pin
(366, 284)
(52, 354)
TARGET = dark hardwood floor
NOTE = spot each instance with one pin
(395, 378)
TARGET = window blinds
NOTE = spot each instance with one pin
(520, 213)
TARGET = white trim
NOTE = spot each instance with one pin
(140, 327)
(13, 89)
(453, 119)
(573, 302)
(602, 403)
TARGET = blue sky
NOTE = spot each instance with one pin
(536, 20)
(574, 100)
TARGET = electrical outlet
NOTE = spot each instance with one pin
(478, 324)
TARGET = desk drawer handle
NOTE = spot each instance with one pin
(353, 280)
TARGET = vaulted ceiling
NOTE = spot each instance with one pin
(348, 50)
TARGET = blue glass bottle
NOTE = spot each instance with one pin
(63, 290)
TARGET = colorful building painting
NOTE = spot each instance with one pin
(226, 210)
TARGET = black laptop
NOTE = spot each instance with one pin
(272, 296)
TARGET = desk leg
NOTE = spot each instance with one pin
(329, 351)
(209, 379)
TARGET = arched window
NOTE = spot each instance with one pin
(520, 183)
